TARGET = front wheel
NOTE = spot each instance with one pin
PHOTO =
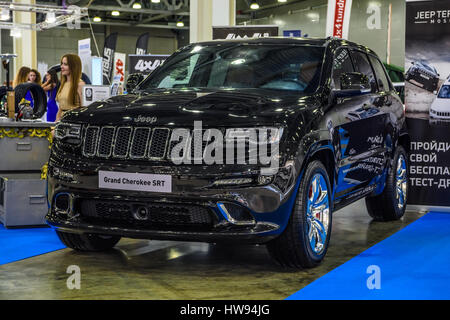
(391, 203)
(304, 242)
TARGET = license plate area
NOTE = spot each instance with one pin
(134, 181)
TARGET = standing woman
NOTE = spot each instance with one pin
(51, 86)
(21, 76)
(34, 76)
(69, 93)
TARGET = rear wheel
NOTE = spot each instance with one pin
(304, 242)
(391, 203)
(87, 241)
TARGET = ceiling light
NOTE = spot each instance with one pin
(156, 1)
(137, 5)
(97, 19)
(282, 0)
(254, 6)
(180, 24)
(115, 13)
(4, 16)
(50, 17)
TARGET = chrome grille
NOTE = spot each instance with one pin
(139, 144)
(106, 142)
(90, 141)
(125, 142)
(122, 142)
(158, 143)
(145, 143)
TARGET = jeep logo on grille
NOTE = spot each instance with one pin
(142, 119)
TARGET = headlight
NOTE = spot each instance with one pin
(254, 135)
(68, 131)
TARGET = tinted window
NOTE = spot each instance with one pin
(383, 82)
(444, 93)
(342, 63)
(362, 65)
(231, 65)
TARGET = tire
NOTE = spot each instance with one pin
(293, 247)
(391, 203)
(39, 98)
(87, 241)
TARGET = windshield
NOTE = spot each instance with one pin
(444, 93)
(231, 65)
(427, 66)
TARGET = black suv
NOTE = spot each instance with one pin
(249, 140)
(424, 75)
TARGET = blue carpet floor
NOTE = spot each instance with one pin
(18, 244)
(412, 264)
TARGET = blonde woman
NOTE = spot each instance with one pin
(69, 93)
(21, 76)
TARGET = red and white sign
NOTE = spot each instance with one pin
(338, 18)
(119, 68)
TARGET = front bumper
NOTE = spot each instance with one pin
(253, 214)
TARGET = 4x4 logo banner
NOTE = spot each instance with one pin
(427, 101)
(145, 63)
(242, 32)
(338, 18)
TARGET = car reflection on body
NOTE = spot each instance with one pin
(361, 113)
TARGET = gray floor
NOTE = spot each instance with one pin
(140, 269)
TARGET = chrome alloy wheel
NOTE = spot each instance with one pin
(401, 182)
(318, 213)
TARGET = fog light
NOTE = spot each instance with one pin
(62, 202)
(262, 180)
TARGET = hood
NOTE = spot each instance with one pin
(441, 105)
(181, 107)
(427, 67)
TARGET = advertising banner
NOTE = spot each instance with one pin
(238, 32)
(427, 101)
(84, 52)
(145, 63)
(142, 43)
(108, 57)
(338, 18)
(119, 67)
(118, 78)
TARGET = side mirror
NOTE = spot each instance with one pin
(133, 80)
(355, 81)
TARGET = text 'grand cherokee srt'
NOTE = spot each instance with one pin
(251, 140)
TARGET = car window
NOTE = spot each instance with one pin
(342, 63)
(362, 65)
(444, 93)
(383, 82)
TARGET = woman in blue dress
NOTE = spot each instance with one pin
(50, 86)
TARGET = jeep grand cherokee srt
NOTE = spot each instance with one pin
(424, 75)
(139, 165)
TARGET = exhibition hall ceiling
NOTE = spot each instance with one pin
(156, 13)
